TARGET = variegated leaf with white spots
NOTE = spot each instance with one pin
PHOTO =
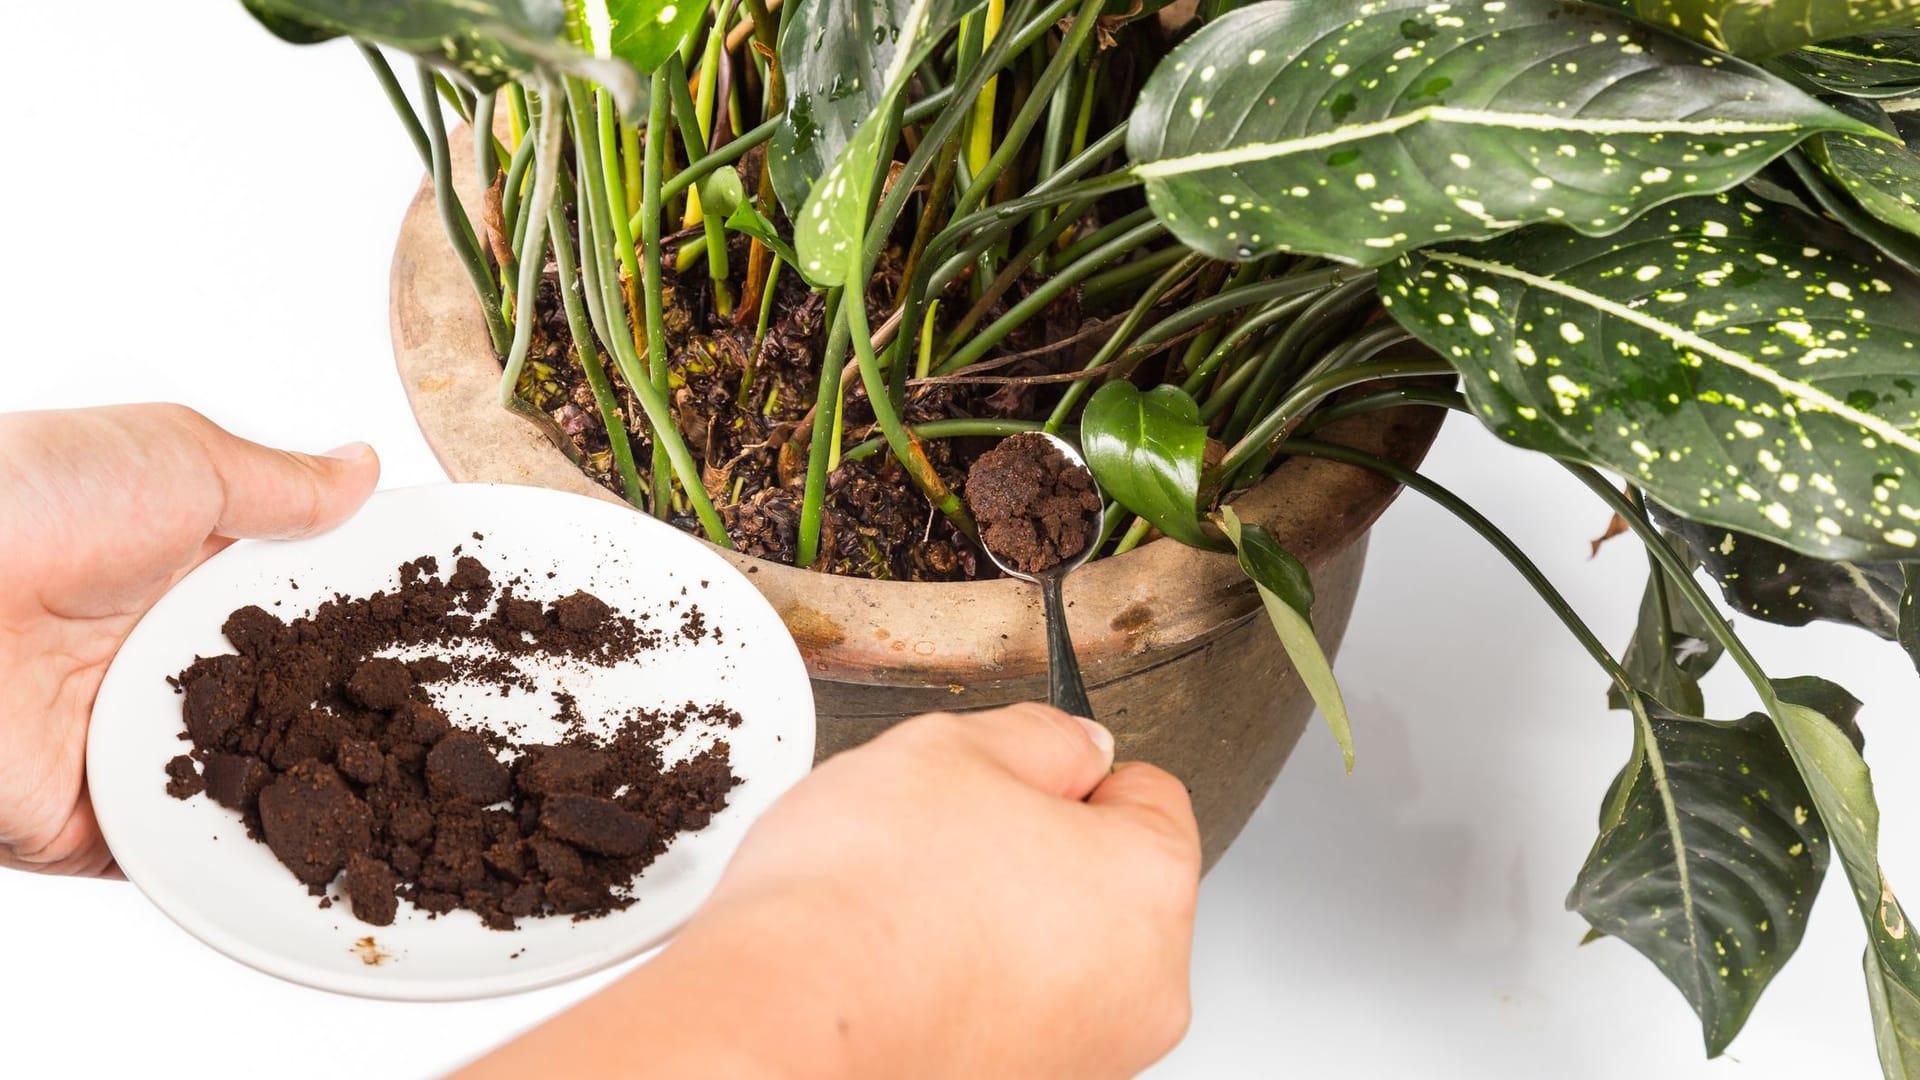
(1745, 364)
(1671, 649)
(1761, 28)
(1880, 175)
(1762, 579)
(1882, 65)
(1362, 131)
(641, 32)
(847, 64)
(1710, 863)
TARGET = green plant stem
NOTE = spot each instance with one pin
(591, 361)
(1074, 251)
(1117, 278)
(1383, 399)
(547, 128)
(650, 286)
(486, 161)
(1245, 329)
(612, 179)
(453, 216)
(1257, 444)
(760, 327)
(899, 440)
(1488, 531)
(390, 84)
(820, 448)
(959, 427)
(513, 187)
(1049, 291)
(1013, 139)
(1135, 533)
(1328, 310)
(1121, 335)
(1011, 273)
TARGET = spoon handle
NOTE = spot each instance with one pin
(1064, 689)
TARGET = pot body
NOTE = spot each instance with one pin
(1178, 657)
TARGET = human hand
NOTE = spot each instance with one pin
(940, 902)
(101, 511)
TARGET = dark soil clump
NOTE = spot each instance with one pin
(337, 758)
(1036, 508)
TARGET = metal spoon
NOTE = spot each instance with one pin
(1065, 691)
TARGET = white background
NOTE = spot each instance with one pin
(195, 212)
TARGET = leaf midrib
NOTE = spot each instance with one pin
(1804, 393)
(1448, 114)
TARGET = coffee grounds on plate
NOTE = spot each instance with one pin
(337, 758)
(1036, 508)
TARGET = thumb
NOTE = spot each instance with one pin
(1153, 799)
(270, 494)
(1043, 747)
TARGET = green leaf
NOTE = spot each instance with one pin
(1286, 591)
(1881, 175)
(641, 32)
(490, 42)
(720, 192)
(1146, 451)
(1669, 673)
(1713, 864)
(1882, 65)
(1747, 365)
(1816, 720)
(842, 59)
(1907, 630)
(1769, 582)
(1762, 28)
(1295, 126)
(746, 219)
(1836, 204)
(828, 230)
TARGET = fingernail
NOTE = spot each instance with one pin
(1102, 738)
(353, 451)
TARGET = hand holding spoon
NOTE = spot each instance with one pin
(1039, 512)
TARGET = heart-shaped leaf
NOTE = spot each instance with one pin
(490, 42)
(1299, 126)
(1764, 580)
(1712, 863)
(1286, 591)
(1146, 450)
(1747, 365)
(641, 32)
(1886, 64)
(841, 59)
(1761, 28)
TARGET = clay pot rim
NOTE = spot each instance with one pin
(891, 632)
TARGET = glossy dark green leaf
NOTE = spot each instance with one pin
(1907, 630)
(1769, 582)
(1882, 65)
(1747, 365)
(746, 219)
(1712, 864)
(1881, 175)
(1762, 28)
(289, 30)
(841, 58)
(1146, 450)
(1364, 131)
(490, 42)
(1670, 651)
(1826, 197)
(1286, 591)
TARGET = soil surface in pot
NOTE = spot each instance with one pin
(1035, 507)
(338, 760)
(748, 415)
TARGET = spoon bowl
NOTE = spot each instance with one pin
(1065, 690)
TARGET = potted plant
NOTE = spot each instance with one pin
(777, 275)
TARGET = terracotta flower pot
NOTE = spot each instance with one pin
(1179, 659)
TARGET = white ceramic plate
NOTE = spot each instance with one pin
(193, 857)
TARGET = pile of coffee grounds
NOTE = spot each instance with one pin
(337, 758)
(1035, 507)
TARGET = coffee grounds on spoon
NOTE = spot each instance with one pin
(337, 759)
(1035, 507)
